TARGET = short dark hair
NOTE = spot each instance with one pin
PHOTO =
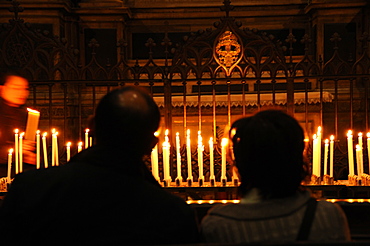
(268, 149)
(5, 75)
(125, 126)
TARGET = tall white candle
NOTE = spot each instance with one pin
(351, 166)
(200, 155)
(211, 160)
(56, 150)
(154, 160)
(79, 147)
(331, 156)
(359, 160)
(188, 154)
(224, 143)
(20, 169)
(315, 164)
(319, 141)
(178, 157)
(38, 149)
(361, 154)
(53, 147)
(9, 166)
(32, 124)
(166, 158)
(45, 150)
(68, 151)
(326, 151)
(91, 141)
(87, 138)
(16, 150)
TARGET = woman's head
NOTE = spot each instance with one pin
(268, 150)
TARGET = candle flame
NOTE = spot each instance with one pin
(368, 134)
(358, 147)
(87, 130)
(188, 132)
(224, 142)
(45, 133)
(166, 132)
(211, 140)
(16, 131)
(177, 134)
(156, 134)
(360, 134)
(314, 136)
(69, 144)
(53, 130)
(326, 141)
(80, 144)
(306, 140)
(21, 135)
(33, 111)
(11, 151)
(38, 132)
(349, 134)
(319, 130)
(332, 138)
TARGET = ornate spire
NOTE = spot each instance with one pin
(16, 8)
(227, 7)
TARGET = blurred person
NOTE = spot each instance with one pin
(268, 151)
(13, 115)
(105, 195)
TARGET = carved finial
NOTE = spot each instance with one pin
(227, 7)
(16, 8)
(335, 38)
(93, 44)
(306, 40)
(150, 43)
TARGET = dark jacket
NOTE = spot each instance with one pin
(101, 197)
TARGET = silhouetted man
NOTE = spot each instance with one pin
(105, 195)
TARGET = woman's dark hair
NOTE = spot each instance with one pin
(268, 149)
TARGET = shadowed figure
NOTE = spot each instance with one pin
(268, 151)
(105, 195)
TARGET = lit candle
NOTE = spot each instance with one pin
(319, 151)
(350, 153)
(188, 153)
(20, 169)
(16, 152)
(359, 160)
(154, 159)
(87, 138)
(200, 156)
(315, 164)
(45, 150)
(211, 160)
(178, 155)
(332, 156)
(53, 147)
(9, 165)
(56, 150)
(79, 148)
(166, 158)
(32, 124)
(326, 151)
(38, 149)
(68, 151)
(224, 143)
(361, 154)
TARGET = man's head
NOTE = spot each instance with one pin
(14, 89)
(127, 117)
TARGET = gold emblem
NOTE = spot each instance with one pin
(228, 50)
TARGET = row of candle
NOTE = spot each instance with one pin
(18, 150)
(200, 148)
(329, 154)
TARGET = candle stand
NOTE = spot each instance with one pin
(328, 180)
